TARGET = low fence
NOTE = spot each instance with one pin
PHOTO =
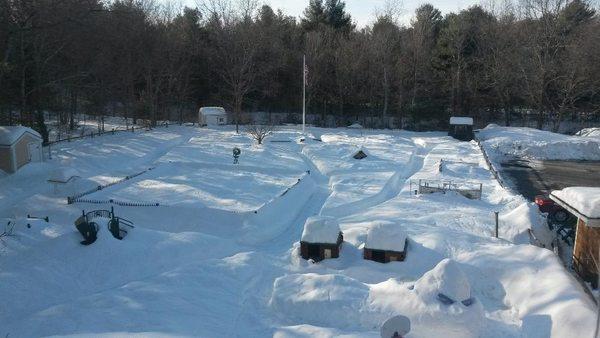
(491, 166)
(77, 198)
(117, 202)
(470, 190)
(113, 131)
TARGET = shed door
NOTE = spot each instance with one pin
(327, 253)
(34, 152)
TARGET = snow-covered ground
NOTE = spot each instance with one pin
(537, 144)
(220, 256)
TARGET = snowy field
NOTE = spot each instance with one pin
(220, 256)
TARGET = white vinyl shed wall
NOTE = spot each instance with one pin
(212, 116)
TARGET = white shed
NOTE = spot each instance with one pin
(212, 116)
(18, 146)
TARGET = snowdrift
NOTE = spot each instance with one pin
(538, 144)
(325, 300)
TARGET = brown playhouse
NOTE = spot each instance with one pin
(583, 203)
(385, 243)
(321, 238)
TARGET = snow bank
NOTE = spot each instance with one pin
(589, 132)
(520, 216)
(586, 200)
(325, 300)
(428, 315)
(548, 300)
(386, 237)
(321, 229)
(538, 144)
(278, 214)
(446, 278)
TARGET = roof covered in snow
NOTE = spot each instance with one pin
(584, 202)
(388, 237)
(355, 125)
(10, 135)
(461, 120)
(321, 229)
(207, 111)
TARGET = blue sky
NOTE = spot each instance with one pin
(363, 11)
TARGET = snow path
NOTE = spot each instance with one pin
(391, 189)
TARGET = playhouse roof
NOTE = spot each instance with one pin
(10, 135)
(321, 229)
(584, 202)
(454, 120)
(388, 237)
(207, 111)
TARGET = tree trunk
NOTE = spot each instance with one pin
(72, 110)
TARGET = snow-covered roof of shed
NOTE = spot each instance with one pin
(461, 120)
(321, 229)
(10, 134)
(355, 125)
(388, 237)
(212, 111)
(584, 202)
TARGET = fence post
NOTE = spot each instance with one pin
(496, 217)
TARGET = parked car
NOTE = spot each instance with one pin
(558, 218)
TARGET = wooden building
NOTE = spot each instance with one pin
(321, 238)
(461, 128)
(385, 243)
(19, 146)
(584, 203)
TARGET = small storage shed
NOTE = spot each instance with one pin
(212, 116)
(584, 203)
(18, 146)
(385, 243)
(461, 128)
(321, 238)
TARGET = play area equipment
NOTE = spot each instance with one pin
(470, 190)
(88, 227)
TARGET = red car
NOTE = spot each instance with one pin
(556, 213)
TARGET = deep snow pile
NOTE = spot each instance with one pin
(538, 144)
(589, 132)
(201, 268)
(586, 200)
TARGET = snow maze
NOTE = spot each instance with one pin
(220, 256)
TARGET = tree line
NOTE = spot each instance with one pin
(150, 60)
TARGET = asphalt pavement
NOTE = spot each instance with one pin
(532, 178)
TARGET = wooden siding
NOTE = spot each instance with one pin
(388, 256)
(585, 252)
(321, 247)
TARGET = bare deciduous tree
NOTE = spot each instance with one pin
(259, 132)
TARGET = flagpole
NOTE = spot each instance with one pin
(303, 94)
